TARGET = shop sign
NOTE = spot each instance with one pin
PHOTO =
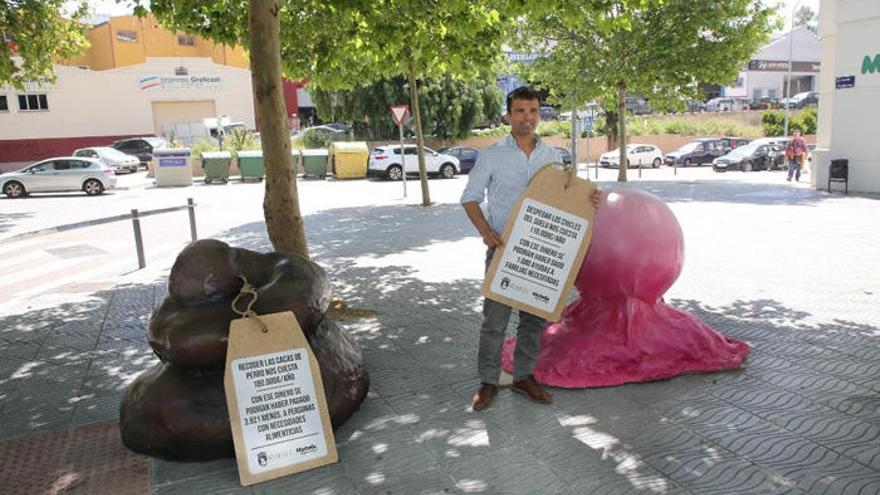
(180, 83)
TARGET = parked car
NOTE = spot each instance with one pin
(731, 143)
(385, 162)
(548, 113)
(754, 156)
(764, 103)
(637, 105)
(141, 147)
(325, 130)
(339, 126)
(694, 106)
(564, 154)
(696, 152)
(467, 157)
(113, 158)
(804, 100)
(638, 155)
(724, 104)
(66, 173)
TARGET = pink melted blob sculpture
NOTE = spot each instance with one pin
(620, 330)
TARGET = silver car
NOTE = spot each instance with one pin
(65, 173)
(113, 158)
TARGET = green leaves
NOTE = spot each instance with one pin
(37, 32)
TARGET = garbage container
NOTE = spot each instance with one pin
(315, 162)
(839, 172)
(350, 159)
(216, 166)
(173, 167)
(251, 166)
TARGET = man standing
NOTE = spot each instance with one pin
(795, 154)
(503, 170)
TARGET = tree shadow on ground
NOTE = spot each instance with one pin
(694, 433)
(10, 220)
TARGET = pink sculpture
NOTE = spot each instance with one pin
(620, 330)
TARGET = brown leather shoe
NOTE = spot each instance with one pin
(530, 388)
(483, 398)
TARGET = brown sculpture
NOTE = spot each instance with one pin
(176, 410)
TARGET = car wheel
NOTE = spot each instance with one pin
(447, 171)
(687, 162)
(747, 166)
(395, 172)
(93, 187)
(656, 163)
(14, 189)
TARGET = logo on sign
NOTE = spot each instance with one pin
(308, 449)
(262, 459)
(870, 66)
(845, 82)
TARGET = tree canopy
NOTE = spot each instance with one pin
(806, 16)
(34, 35)
(658, 49)
(452, 107)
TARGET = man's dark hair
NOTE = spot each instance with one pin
(522, 93)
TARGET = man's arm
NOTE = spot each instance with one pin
(475, 215)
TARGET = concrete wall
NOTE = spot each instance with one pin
(112, 103)
(850, 28)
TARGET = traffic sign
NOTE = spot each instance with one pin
(399, 112)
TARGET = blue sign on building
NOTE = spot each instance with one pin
(845, 82)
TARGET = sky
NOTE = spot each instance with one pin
(111, 7)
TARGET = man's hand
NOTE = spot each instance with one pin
(492, 239)
(597, 198)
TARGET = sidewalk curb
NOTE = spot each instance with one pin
(86, 223)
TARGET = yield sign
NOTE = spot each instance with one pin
(399, 112)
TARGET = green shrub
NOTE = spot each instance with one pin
(554, 128)
(501, 130)
(773, 123)
(240, 139)
(807, 121)
(201, 146)
(316, 139)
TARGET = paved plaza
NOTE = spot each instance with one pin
(790, 270)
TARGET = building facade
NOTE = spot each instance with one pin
(136, 79)
(766, 74)
(849, 99)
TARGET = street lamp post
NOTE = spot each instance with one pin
(788, 90)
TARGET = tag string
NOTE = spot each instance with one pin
(248, 290)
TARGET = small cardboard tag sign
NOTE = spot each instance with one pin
(545, 241)
(277, 409)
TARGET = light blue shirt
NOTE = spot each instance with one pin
(504, 171)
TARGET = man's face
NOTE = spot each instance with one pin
(524, 117)
(797, 133)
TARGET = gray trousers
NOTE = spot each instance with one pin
(492, 333)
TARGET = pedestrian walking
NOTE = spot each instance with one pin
(795, 154)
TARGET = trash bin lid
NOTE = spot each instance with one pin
(216, 154)
(350, 147)
(250, 154)
(172, 152)
(315, 152)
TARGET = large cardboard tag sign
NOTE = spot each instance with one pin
(277, 409)
(545, 241)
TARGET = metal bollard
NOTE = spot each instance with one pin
(191, 207)
(138, 239)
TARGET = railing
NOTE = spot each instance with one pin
(136, 216)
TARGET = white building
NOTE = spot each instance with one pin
(92, 108)
(849, 102)
(766, 74)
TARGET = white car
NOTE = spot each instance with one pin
(66, 173)
(385, 162)
(112, 157)
(637, 155)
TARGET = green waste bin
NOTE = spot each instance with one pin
(216, 166)
(350, 159)
(251, 166)
(315, 162)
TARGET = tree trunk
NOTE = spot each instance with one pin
(621, 130)
(281, 202)
(420, 140)
(611, 124)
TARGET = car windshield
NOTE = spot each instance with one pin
(111, 153)
(743, 151)
(689, 147)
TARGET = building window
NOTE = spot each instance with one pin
(4, 105)
(33, 102)
(127, 36)
(185, 40)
